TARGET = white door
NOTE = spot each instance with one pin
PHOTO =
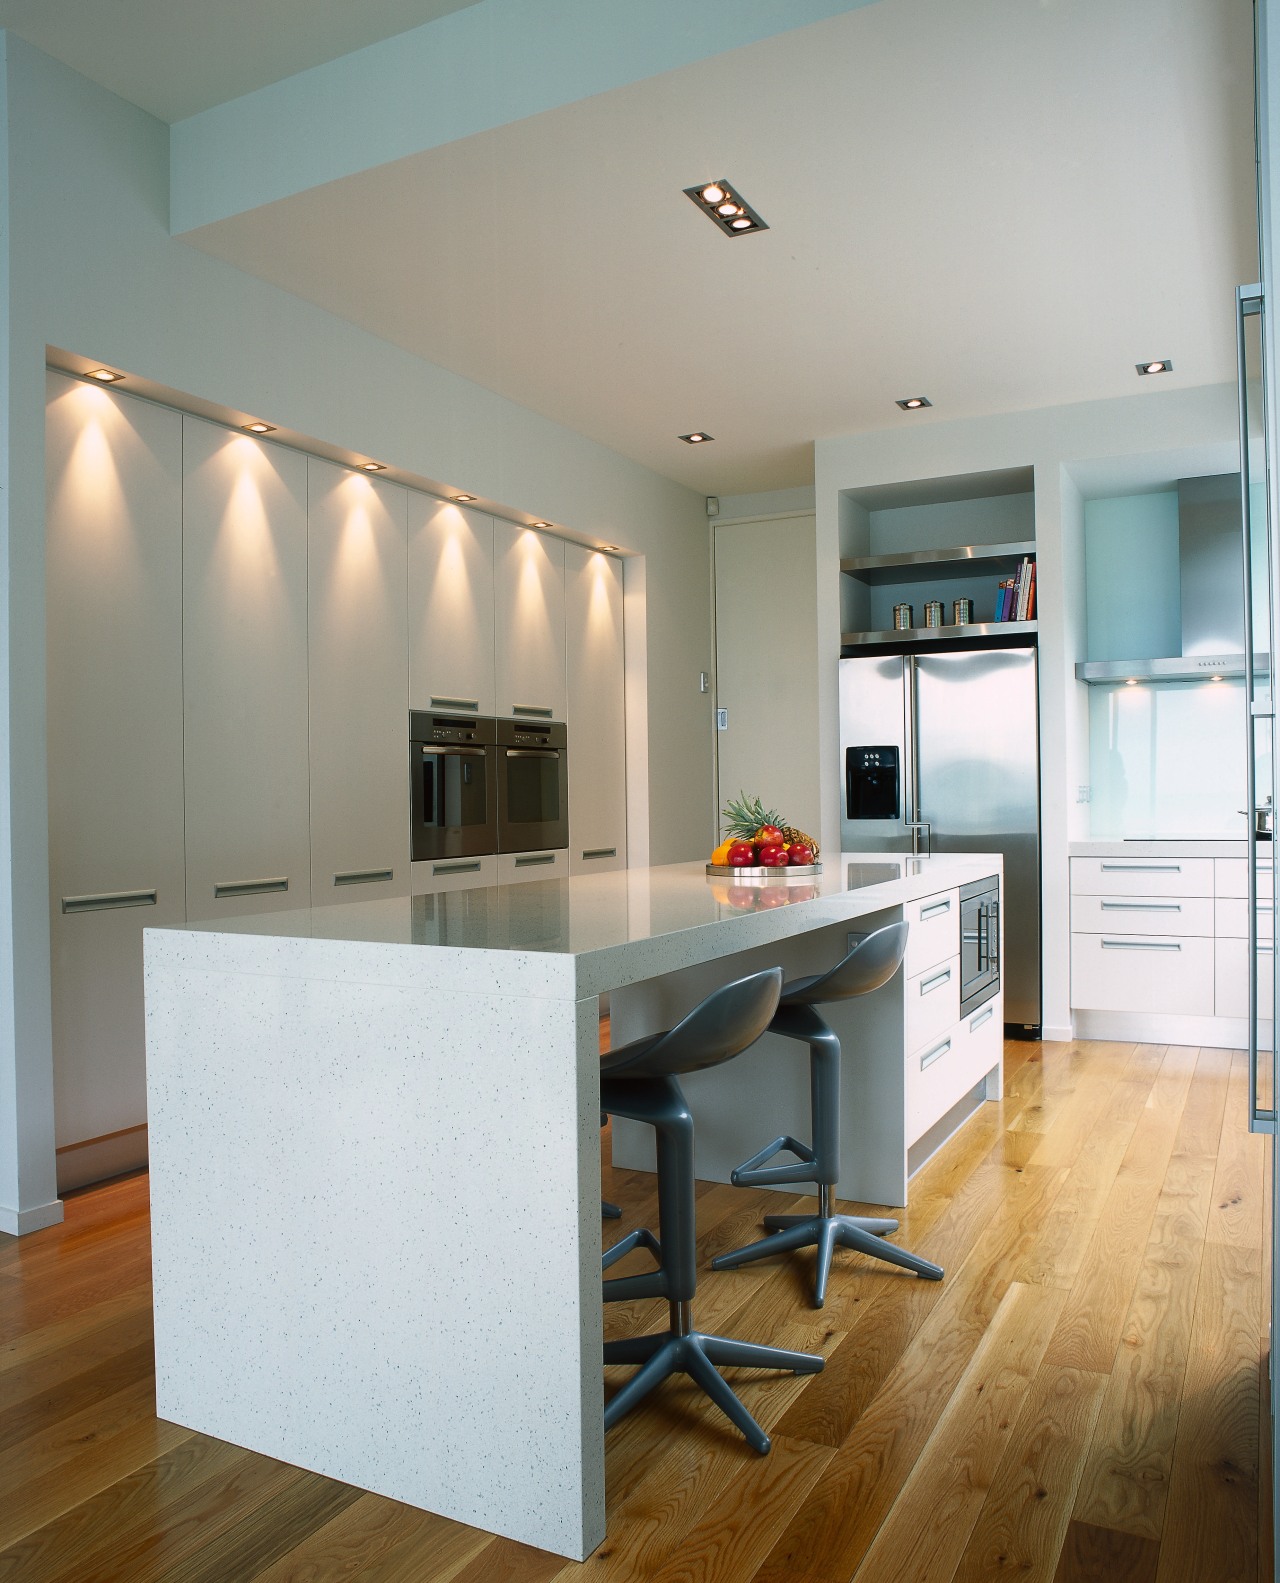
(114, 591)
(451, 655)
(358, 693)
(766, 659)
(244, 641)
(596, 720)
(529, 587)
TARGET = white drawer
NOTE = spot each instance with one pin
(1141, 914)
(453, 873)
(933, 930)
(943, 1072)
(1231, 918)
(1231, 980)
(933, 1003)
(1232, 877)
(513, 867)
(1142, 876)
(1119, 972)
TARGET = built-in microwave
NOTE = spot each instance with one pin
(533, 786)
(979, 943)
(453, 787)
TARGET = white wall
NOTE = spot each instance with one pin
(93, 270)
(1080, 451)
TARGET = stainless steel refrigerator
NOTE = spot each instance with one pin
(941, 752)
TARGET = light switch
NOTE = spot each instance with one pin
(722, 719)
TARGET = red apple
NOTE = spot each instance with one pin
(742, 855)
(773, 855)
(798, 853)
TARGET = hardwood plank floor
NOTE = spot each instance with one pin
(1080, 1400)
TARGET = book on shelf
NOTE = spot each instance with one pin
(1016, 596)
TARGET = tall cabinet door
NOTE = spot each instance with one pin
(358, 702)
(114, 568)
(451, 656)
(244, 576)
(529, 589)
(596, 719)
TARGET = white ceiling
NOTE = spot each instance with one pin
(995, 204)
(178, 57)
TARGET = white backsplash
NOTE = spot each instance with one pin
(1167, 759)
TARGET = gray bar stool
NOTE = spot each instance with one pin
(873, 961)
(639, 1081)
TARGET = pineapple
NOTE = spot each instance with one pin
(744, 815)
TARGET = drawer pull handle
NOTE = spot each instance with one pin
(1142, 906)
(936, 982)
(109, 900)
(935, 909)
(983, 1016)
(532, 709)
(600, 851)
(249, 887)
(535, 860)
(1142, 868)
(364, 876)
(1266, 945)
(935, 1054)
(1141, 945)
(472, 867)
(471, 705)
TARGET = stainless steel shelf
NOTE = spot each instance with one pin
(914, 635)
(959, 553)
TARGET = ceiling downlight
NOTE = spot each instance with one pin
(1160, 365)
(913, 403)
(696, 438)
(726, 207)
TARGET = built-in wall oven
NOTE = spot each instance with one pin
(533, 786)
(979, 943)
(453, 786)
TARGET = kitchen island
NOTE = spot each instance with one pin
(374, 1138)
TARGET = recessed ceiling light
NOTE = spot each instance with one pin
(729, 209)
(1162, 366)
(1132, 681)
(463, 499)
(374, 467)
(259, 428)
(608, 549)
(696, 438)
(913, 403)
(105, 376)
(539, 524)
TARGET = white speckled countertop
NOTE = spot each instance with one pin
(1160, 846)
(591, 932)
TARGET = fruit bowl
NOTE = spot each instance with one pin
(756, 874)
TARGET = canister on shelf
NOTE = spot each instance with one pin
(961, 612)
(933, 613)
(903, 617)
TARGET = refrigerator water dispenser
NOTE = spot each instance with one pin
(871, 783)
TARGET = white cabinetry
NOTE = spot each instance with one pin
(357, 698)
(114, 569)
(530, 613)
(596, 720)
(1231, 961)
(451, 612)
(244, 534)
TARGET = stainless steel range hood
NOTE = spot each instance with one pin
(1211, 566)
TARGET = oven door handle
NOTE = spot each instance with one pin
(533, 753)
(993, 935)
(982, 936)
(432, 750)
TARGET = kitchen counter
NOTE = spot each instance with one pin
(374, 1137)
(1162, 846)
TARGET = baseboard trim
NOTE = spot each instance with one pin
(21, 1222)
(97, 1159)
(1056, 1035)
(1145, 1027)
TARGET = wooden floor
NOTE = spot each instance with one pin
(1081, 1397)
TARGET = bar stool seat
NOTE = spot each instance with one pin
(872, 961)
(639, 1081)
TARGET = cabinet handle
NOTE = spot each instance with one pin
(249, 887)
(1142, 906)
(108, 900)
(535, 859)
(934, 909)
(600, 851)
(471, 705)
(473, 867)
(363, 876)
(936, 982)
(1141, 945)
(935, 1054)
(983, 1016)
(532, 709)
(1142, 868)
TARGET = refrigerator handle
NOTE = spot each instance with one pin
(915, 826)
(1248, 303)
(912, 766)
